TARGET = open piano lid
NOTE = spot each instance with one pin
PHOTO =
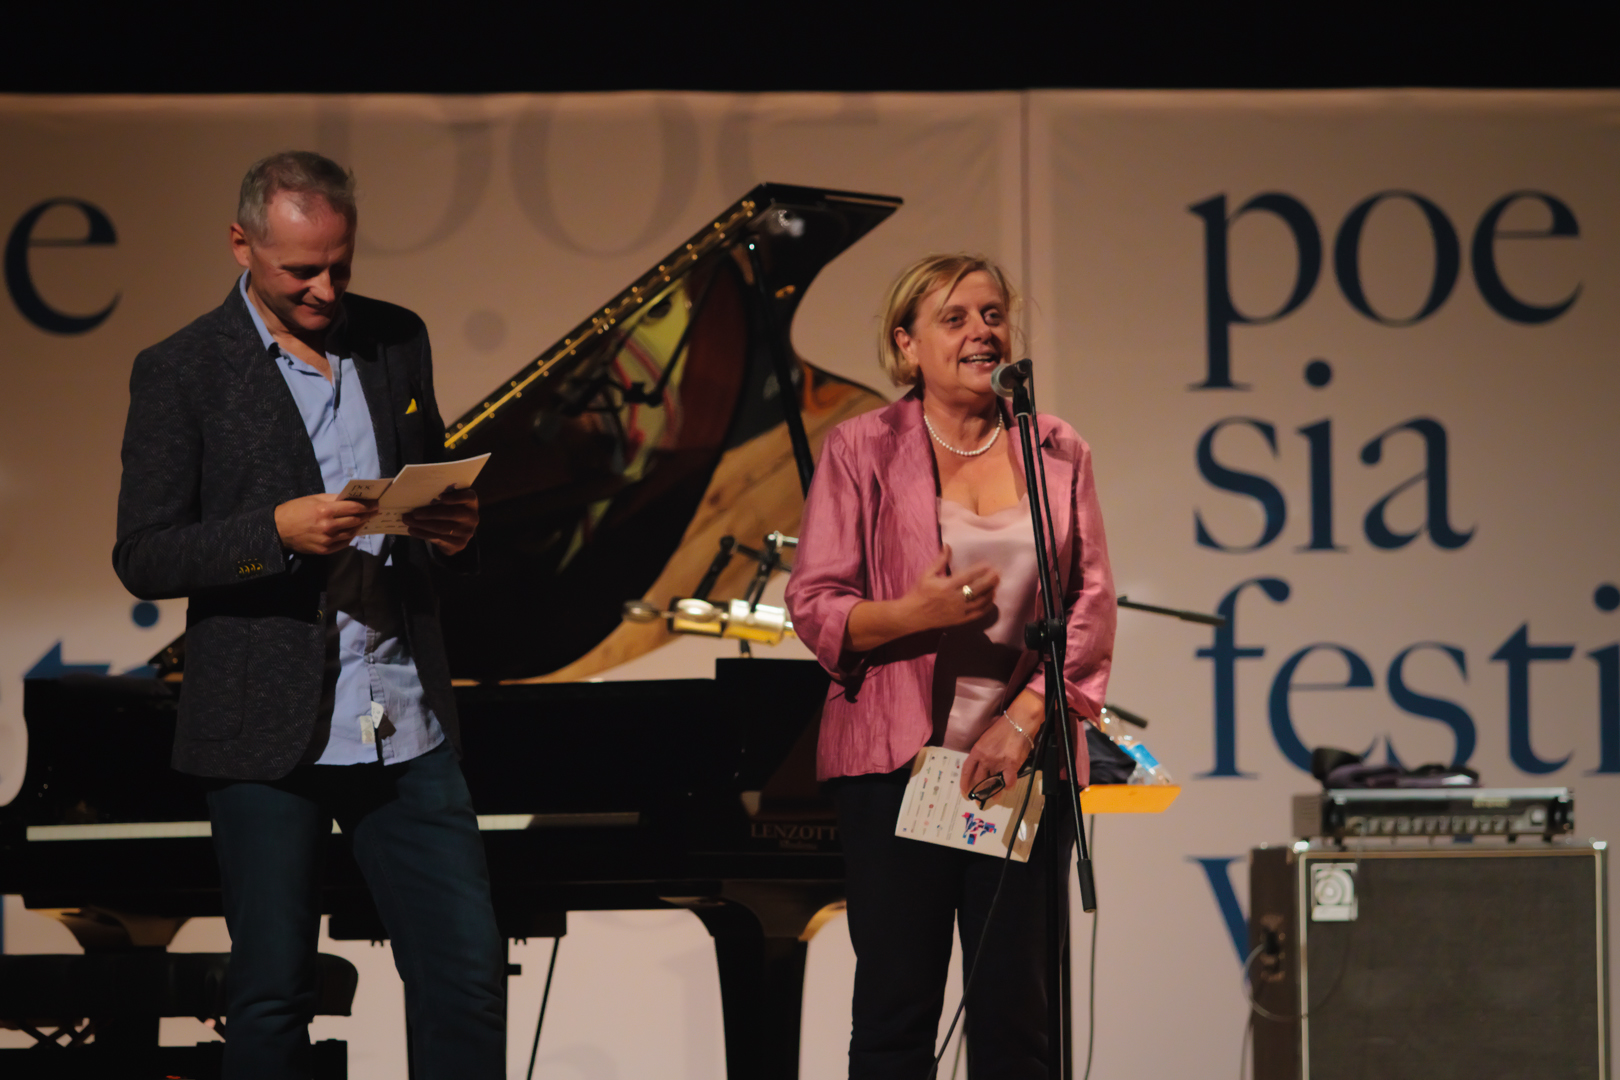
(625, 451)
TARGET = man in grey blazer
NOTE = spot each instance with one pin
(316, 684)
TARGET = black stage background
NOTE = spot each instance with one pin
(485, 48)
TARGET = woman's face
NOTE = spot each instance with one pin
(958, 338)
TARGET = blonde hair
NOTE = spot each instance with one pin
(906, 295)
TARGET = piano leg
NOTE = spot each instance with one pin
(761, 993)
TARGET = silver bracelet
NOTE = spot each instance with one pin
(1018, 729)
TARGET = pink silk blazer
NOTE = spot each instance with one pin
(870, 530)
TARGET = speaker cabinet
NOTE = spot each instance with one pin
(1474, 961)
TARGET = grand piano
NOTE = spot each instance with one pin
(673, 422)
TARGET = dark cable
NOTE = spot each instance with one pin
(956, 1066)
(1250, 990)
(551, 969)
(989, 919)
(1091, 991)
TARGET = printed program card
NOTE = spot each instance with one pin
(413, 488)
(935, 811)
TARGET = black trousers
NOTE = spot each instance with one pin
(904, 896)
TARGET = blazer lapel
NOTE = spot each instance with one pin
(911, 496)
(378, 387)
(272, 402)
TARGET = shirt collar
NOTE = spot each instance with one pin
(334, 339)
(253, 313)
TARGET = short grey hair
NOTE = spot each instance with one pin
(302, 174)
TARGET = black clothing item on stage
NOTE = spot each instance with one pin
(904, 897)
(1109, 764)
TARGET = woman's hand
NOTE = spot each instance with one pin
(1001, 749)
(941, 599)
(938, 600)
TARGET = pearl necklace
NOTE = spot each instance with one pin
(994, 435)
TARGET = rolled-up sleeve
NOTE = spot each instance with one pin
(829, 571)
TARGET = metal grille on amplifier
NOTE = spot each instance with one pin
(1428, 963)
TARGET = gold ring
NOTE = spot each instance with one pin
(967, 594)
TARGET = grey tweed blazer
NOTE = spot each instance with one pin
(213, 443)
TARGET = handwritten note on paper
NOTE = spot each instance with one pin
(935, 811)
(412, 489)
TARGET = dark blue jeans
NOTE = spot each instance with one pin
(416, 840)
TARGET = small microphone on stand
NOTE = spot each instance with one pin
(1016, 383)
(1008, 377)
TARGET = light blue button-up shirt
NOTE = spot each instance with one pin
(374, 661)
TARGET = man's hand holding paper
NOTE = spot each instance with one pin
(430, 502)
(322, 524)
(448, 522)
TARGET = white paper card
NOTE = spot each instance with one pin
(413, 488)
(935, 811)
(364, 489)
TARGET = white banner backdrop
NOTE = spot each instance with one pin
(1347, 348)
(1333, 345)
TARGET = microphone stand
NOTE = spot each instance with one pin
(1054, 748)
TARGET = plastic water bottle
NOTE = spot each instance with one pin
(1148, 769)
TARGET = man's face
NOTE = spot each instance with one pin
(299, 269)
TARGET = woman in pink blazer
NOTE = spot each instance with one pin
(914, 576)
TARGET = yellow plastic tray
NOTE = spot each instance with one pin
(1128, 798)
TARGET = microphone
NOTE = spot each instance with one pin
(1008, 377)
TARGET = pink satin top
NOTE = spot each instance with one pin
(977, 661)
